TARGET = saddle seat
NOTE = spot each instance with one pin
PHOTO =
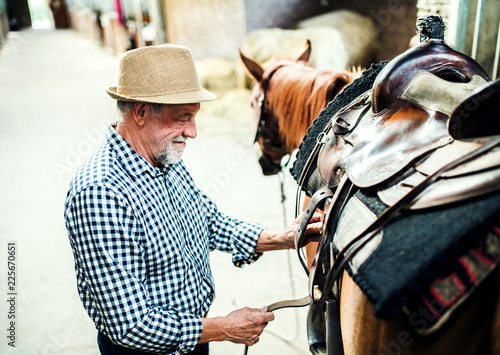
(433, 56)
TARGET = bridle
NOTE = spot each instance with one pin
(269, 148)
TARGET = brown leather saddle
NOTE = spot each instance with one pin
(405, 139)
(403, 117)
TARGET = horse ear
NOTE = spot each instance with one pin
(253, 68)
(306, 53)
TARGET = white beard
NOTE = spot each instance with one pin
(170, 155)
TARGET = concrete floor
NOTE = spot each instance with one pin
(53, 115)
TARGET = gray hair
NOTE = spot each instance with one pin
(124, 108)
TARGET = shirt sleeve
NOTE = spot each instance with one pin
(110, 267)
(232, 235)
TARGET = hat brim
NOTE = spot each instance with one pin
(189, 97)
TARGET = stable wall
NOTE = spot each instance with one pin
(226, 22)
(209, 28)
(395, 19)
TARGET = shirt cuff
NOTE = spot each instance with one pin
(191, 329)
(244, 244)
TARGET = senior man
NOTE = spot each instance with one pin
(140, 229)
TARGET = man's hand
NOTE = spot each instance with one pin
(242, 326)
(285, 239)
(245, 325)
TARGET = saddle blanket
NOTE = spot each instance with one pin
(432, 258)
(449, 291)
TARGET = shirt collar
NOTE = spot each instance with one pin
(133, 162)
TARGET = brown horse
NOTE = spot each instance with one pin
(287, 96)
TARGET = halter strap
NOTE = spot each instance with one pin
(261, 104)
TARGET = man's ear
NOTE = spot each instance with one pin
(140, 111)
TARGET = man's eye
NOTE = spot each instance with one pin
(185, 118)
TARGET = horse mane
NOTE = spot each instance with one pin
(297, 93)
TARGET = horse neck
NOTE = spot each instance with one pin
(296, 95)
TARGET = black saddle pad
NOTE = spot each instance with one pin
(420, 246)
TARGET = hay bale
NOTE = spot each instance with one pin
(230, 114)
(340, 39)
(327, 48)
(359, 34)
(217, 74)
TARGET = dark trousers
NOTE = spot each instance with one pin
(107, 347)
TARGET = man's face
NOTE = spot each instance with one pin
(169, 131)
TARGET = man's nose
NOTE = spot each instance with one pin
(190, 129)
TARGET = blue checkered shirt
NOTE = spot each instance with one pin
(140, 237)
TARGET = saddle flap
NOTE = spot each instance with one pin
(444, 191)
(335, 146)
(455, 150)
(355, 218)
(392, 141)
(474, 178)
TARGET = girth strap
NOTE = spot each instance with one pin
(342, 193)
(316, 200)
(348, 252)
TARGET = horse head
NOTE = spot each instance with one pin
(268, 134)
(287, 96)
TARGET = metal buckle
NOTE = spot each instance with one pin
(321, 139)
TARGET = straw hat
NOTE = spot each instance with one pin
(163, 74)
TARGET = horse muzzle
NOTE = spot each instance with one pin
(269, 167)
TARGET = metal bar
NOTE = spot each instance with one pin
(461, 26)
(494, 75)
(477, 28)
